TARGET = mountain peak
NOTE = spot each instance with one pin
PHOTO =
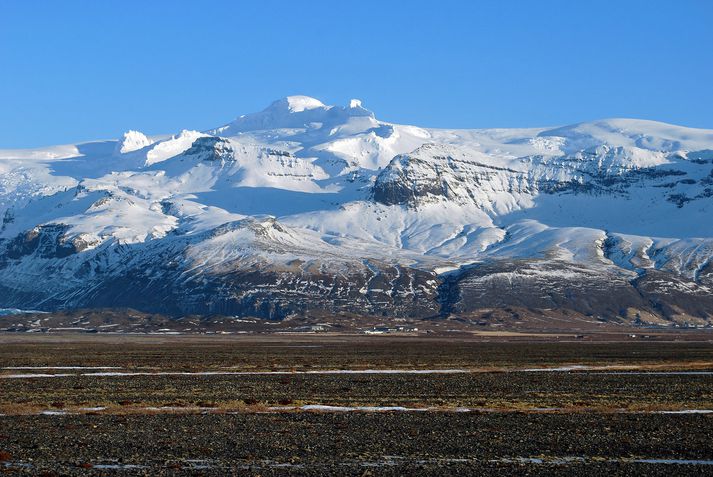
(297, 104)
(295, 112)
(132, 141)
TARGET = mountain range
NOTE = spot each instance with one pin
(305, 209)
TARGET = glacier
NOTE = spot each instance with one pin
(312, 210)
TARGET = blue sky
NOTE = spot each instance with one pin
(79, 70)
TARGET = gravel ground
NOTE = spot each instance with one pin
(603, 423)
(355, 443)
(511, 390)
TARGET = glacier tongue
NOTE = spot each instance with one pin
(309, 208)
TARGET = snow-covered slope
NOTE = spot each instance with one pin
(304, 207)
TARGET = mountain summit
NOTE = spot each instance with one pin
(297, 104)
(294, 112)
(305, 208)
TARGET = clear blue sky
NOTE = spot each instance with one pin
(77, 70)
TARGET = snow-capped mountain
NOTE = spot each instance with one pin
(305, 208)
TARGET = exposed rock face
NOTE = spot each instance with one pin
(435, 173)
(210, 149)
(540, 284)
(47, 241)
(431, 174)
(162, 276)
(276, 294)
(602, 294)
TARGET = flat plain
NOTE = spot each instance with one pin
(355, 405)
